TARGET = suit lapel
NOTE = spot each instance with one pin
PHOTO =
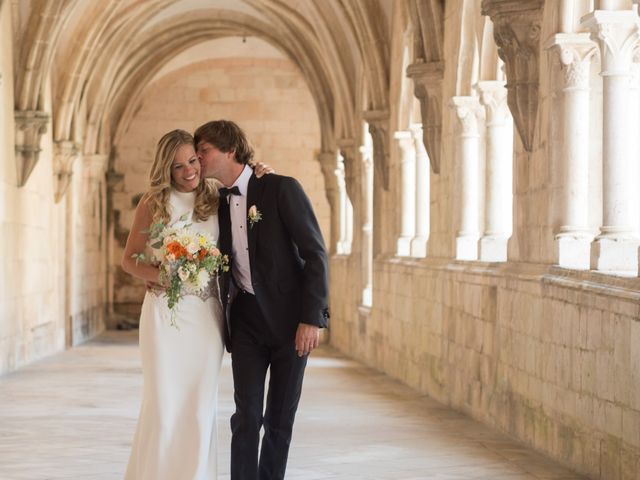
(254, 193)
(224, 223)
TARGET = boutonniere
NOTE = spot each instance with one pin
(254, 216)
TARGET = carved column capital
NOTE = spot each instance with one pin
(378, 121)
(405, 142)
(328, 162)
(417, 133)
(617, 33)
(31, 125)
(517, 25)
(427, 83)
(468, 112)
(347, 148)
(575, 52)
(65, 154)
(493, 97)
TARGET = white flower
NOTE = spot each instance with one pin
(254, 216)
(192, 248)
(202, 279)
(183, 273)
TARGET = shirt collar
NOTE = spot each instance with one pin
(242, 182)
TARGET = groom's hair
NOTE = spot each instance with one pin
(226, 136)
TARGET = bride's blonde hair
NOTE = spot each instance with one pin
(206, 203)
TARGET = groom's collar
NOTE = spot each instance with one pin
(242, 182)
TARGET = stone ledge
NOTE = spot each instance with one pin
(624, 287)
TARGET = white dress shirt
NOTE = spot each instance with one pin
(241, 267)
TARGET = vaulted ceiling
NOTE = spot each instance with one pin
(101, 55)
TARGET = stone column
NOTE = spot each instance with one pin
(343, 246)
(366, 152)
(328, 162)
(467, 110)
(499, 171)
(616, 32)
(573, 239)
(634, 144)
(423, 196)
(407, 191)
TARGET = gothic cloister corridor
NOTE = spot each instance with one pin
(473, 166)
(71, 416)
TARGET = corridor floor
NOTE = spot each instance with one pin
(72, 416)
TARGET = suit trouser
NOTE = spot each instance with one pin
(254, 350)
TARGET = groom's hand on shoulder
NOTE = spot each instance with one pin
(307, 338)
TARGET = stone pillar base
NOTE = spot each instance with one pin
(467, 248)
(419, 247)
(573, 251)
(615, 255)
(493, 249)
(404, 247)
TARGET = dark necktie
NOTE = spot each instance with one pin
(225, 192)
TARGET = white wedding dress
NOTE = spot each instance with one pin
(175, 437)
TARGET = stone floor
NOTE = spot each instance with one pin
(72, 416)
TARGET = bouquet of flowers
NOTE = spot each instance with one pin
(188, 260)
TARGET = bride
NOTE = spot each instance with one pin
(176, 433)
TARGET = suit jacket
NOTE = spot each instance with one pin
(289, 268)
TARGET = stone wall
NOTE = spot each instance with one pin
(268, 98)
(547, 355)
(87, 270)
(51, 284)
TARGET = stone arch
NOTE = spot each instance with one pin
(99, 76)
(78, 60)
(427, 71)
(138, 67)
(43, 28)
(406, 99)
(367, 23)
(104, 70)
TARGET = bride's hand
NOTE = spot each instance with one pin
(155, 287)
(261, 169)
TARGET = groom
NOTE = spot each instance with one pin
(275, 298)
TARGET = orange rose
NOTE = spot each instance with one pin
(176, 249)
